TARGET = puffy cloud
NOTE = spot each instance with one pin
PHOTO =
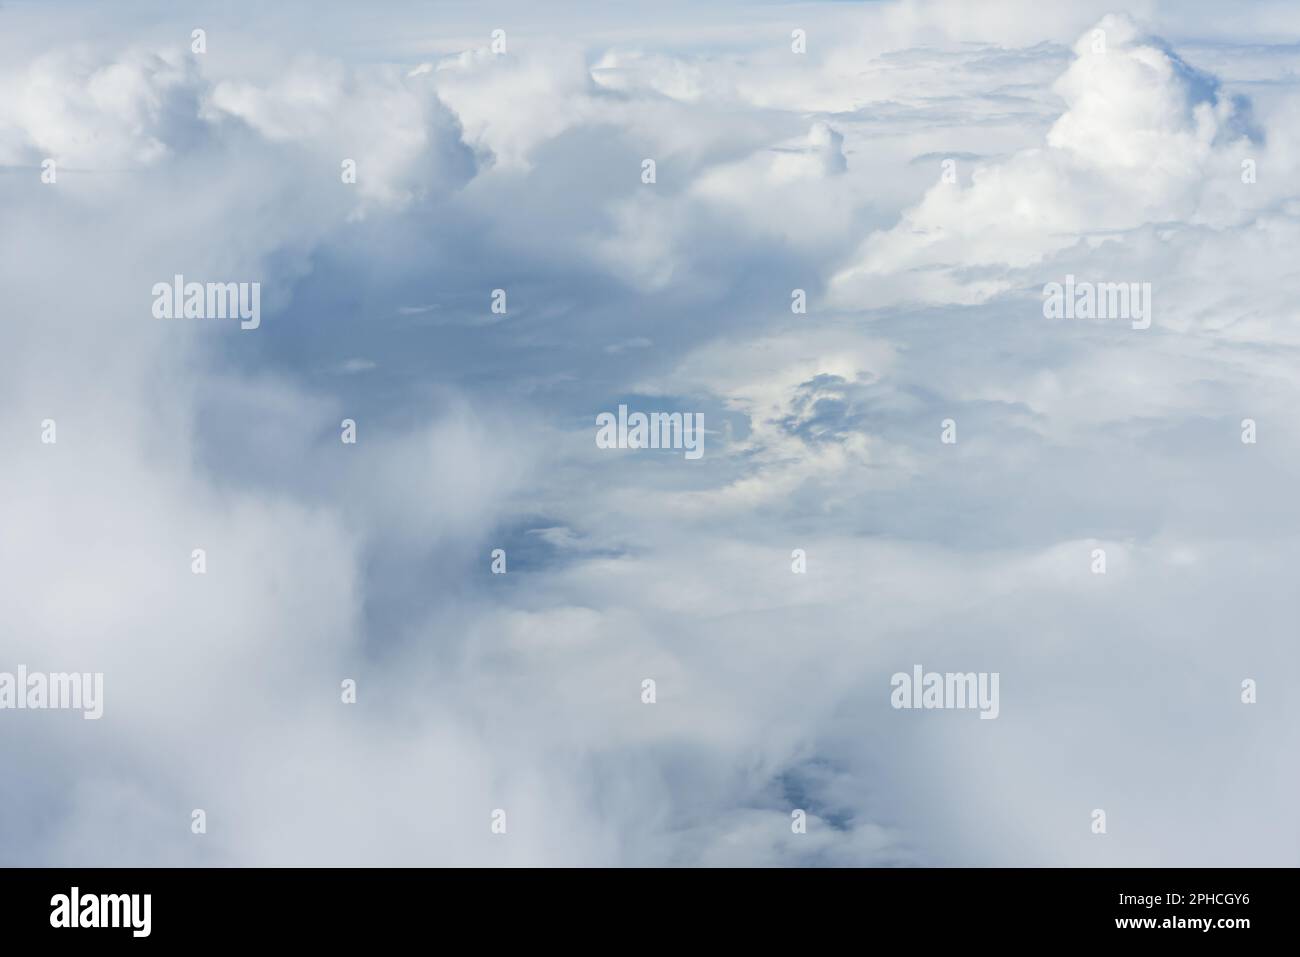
(511, 103)
(91, 112)
(1141, 132)
(404, 142)
(788, 191)
(82, 110)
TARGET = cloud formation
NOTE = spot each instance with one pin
(1141, 137)
(776, 172)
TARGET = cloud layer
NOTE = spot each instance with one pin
(521, 169)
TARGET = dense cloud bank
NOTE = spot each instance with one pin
(920, 173)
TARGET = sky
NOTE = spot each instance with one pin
(919, 468)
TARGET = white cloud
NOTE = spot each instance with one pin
(522, 691)
(90, 112)
(404, 142)
(1141, 133)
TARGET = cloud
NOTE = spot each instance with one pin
(776, 171)
(1141, 131)
(405, 143)
(90, 112)
(512, 103)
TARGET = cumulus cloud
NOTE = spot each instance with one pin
(85, 110)
(1141, 132)
(404, 142)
